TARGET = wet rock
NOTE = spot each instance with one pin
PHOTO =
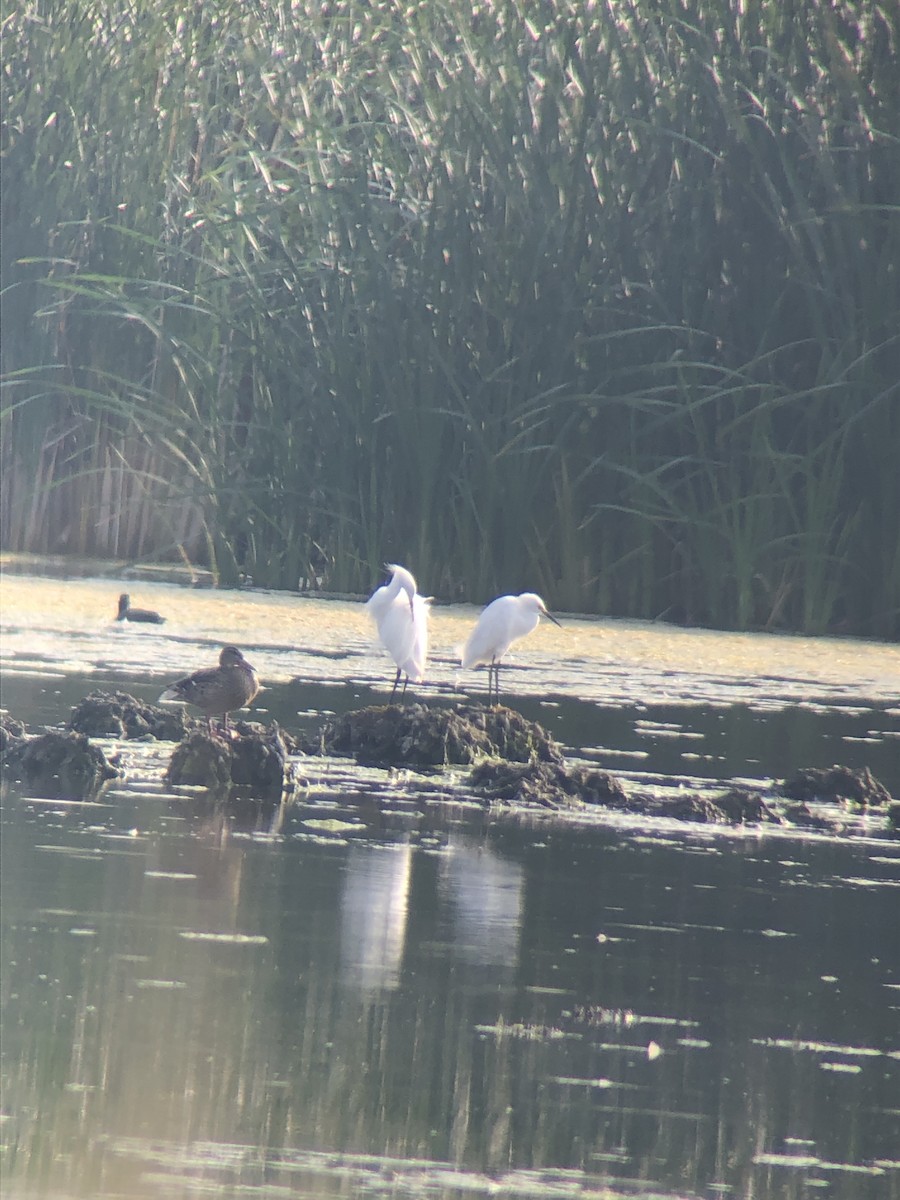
(11, 731)
(254, 758)
(416, 735)
(549, 784)
(856, 787)
(118, 715)
(58, 766)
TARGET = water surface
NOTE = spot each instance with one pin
(377, 992)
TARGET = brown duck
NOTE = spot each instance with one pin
(217, 691)
(127, 613)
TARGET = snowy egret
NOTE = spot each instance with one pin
(504, 621)
(401, 618)
(216, 691)
(127, 613)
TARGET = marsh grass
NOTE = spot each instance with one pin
(597, 300)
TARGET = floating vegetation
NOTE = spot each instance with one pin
(526, 1032)
(230, 939)
(332, 825)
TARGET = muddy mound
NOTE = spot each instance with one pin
(118, 715)
(416, 735)
(256, 729)
(255, 758)
(841, 784)
(58, 766)
(738, 806)
(550, 784)
(554, 785)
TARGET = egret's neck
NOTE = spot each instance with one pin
(401, 583)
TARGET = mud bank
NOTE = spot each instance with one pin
(514, 763)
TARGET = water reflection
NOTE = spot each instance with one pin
(184, 1009)
(374, 906)
(486, 895)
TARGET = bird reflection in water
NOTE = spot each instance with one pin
(486, 895)
(374, 908)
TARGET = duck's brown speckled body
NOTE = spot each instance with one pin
(217, 691)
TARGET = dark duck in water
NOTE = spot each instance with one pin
(127, 613)
(217, 691)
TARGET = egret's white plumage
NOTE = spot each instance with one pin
(401, 618)
(504, 621)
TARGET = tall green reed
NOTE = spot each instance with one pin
(598, 300)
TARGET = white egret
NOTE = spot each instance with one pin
(401, 618)
(504, 621)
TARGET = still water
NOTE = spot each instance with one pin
(380, 992)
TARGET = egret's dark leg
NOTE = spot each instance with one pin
(394, 688)
(403, 693)
(495, 668)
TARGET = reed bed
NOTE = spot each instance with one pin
(599, 299)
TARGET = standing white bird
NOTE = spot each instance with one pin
(401, 618)
(504, 621)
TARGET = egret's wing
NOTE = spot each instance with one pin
(414, 665)
(397, 631)
(490, 638)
